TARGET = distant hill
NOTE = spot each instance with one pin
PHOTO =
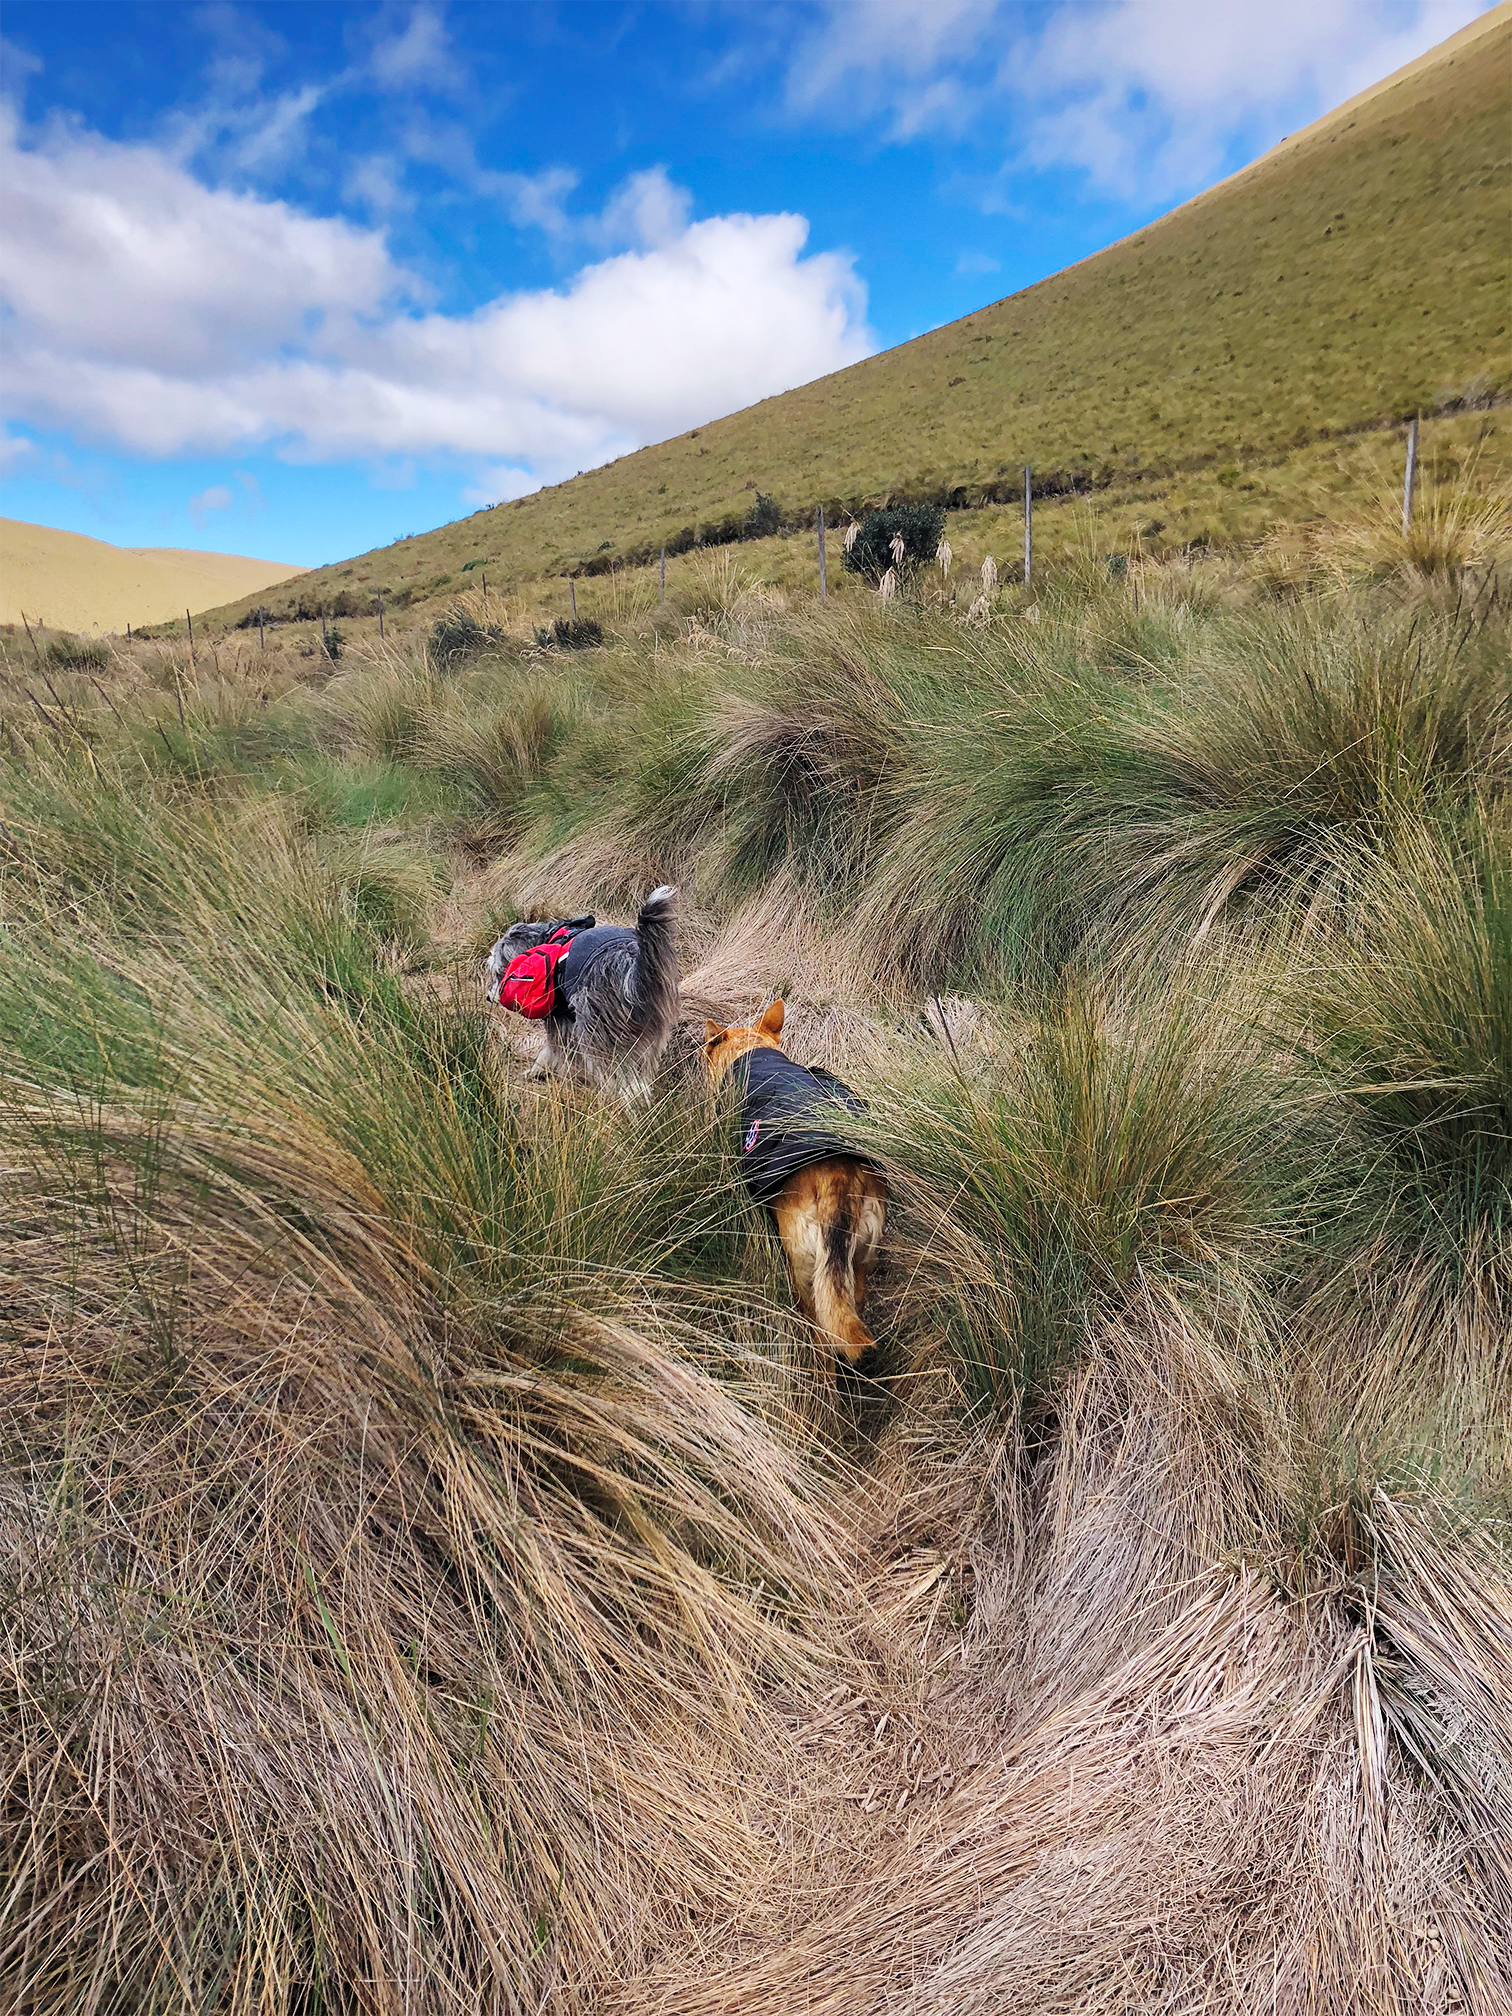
(71, 582)
(1356, 274)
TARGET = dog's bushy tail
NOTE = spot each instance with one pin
(655, 992)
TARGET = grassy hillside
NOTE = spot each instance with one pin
(434, 1580)
(64, 581)
(1215, 366)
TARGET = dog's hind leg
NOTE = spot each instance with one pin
(870, 1219)
(817, 1220)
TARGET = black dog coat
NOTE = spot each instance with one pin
(782, 1111)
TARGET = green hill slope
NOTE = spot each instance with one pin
(1356, 274)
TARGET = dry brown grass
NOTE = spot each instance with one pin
(433, 1581)
(1149, 1773)
(1461, 528)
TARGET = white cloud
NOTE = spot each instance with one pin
(375, 183)
(535, 202)
(649, 209)
(152, 312)
(116, 254)
(247, 130)
(500, 485)
(1149, 93)
(216, 498)
(420, 54)
(922, 62)
(1146, 96)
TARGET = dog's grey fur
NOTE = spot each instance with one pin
(617, 1004)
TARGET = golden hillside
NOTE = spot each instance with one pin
(70, 582)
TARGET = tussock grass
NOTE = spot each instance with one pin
(432, 1576)
(1457, 524)
(1118, 1138)
(418, 1512)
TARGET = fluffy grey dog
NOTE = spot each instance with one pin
(616, 994)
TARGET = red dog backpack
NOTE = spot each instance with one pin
(528, 982)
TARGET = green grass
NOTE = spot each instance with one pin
(1206, 378)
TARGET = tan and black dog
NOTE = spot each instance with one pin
(830, 1203)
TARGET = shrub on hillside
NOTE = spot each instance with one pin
(571, 633)
(459, 635)
(312, 608)
(763, 519)
(919, 526)
(77, 654)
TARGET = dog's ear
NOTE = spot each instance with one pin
(712, 1034)
(771, 1022)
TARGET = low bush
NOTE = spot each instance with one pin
(764, 519)
(461, 634)
(571, 633)
(920, 528)
(77, 654)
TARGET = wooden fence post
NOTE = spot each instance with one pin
(1028, 524)
(572, 591)
(664, 574)
(262, 636)
(1409, 480)
(823, 576)
(484, 572)
(190, 621)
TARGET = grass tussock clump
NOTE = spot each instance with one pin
(433, 1578)
(419, 1550)
(1458, 525)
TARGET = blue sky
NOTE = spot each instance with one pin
(297, 279)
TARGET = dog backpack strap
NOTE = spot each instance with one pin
(528, 983)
